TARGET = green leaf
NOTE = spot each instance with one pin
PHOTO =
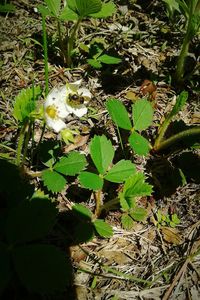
(82, 210)
(54, 6)
(136, 186)
(30, 220)
(91, 181)
(103, 228)
(68, 15)
(107, 10)
(142, 114)
(118, 113)
(85, 7)
(6, 8)
(5, 274)
(102, 153)
(139, 214)
(139, 144)
(175, 219)
(121, 171)
(71, 165)
(180, 102)
(25, 103)
(127, 221)
(109, 60)
(53, 181)
(94, 63)
(42, 268)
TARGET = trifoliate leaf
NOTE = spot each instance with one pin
(107, 10)
(139, 144)
(30, 220)
(71, 165)
(142, 114)
(127, 221)
(5, 274)
(54, 6)
(91, 181)
(102, 153)
(180, 102)
(53, 181)
(82, 210)
(118, 113)
(109, 60)
(103, 228)
(42, 268)
(25, 103)
(121, 171)
(138, 214)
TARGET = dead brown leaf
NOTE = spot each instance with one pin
(172, 235)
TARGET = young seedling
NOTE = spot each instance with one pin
(75, 11)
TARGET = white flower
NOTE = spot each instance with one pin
(55, 109)
(63, 101)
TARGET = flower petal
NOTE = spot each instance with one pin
(56, 124)
(85, 93)
(73, 87)
(79, 111)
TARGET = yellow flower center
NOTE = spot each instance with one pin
(51, 111)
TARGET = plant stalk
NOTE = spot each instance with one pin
(176, 138)
(98, 198)
(45, 55)
(71, 42)
(20, 144)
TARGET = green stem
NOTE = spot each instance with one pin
(71, 41)
(181, 59)
(162, 131)
(98, 199)
(45, 56)
(26, 141)
(7, 148)
(177, 137)
(62, 48)
(109, 205)
(179, 73)
(20, 144)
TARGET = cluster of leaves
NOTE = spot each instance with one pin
(142, 115)
(166, 219)
(77, 9)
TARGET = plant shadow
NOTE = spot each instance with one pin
(35, 240)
